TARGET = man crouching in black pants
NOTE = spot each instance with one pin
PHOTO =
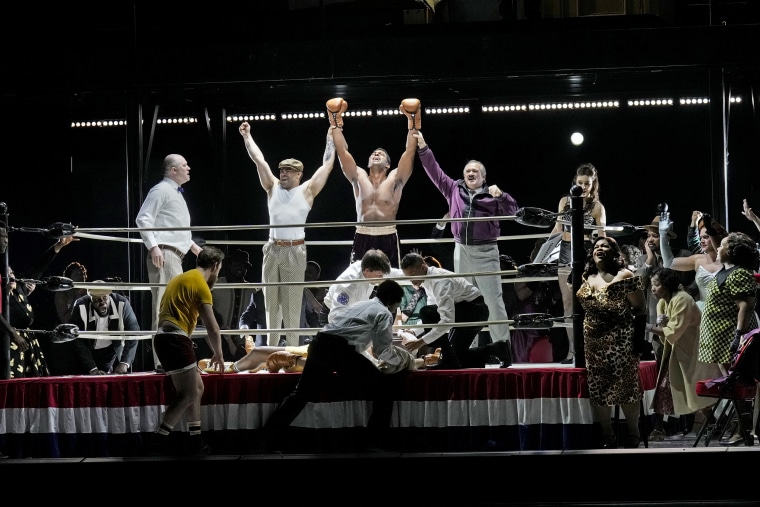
(351, 347)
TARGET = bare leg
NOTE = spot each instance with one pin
(187, 400)
(256, 357)
(568, 301)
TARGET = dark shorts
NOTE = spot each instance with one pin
(565, 251)
(176, 352)
(388, 243)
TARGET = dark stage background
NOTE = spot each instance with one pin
(133, 62)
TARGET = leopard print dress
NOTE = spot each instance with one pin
(612, 367)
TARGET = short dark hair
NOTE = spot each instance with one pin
(375, 259)
(411, 259)
(387, 155)
(614, 263)
(209, 256)
(742, 250)
(389, 292)
(669, 279)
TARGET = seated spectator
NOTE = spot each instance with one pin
(126, 349)
(99, 310)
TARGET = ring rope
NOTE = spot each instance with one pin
(88, 233)
(310, 242)
(305, 225)
(321, 283)
(200, 332)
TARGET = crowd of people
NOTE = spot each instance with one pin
(639, 298)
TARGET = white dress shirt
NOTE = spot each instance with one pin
(164, 206)
(446, 293)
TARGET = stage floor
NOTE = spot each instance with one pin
(656, 476)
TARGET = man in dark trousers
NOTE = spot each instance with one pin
(350, 347)
(457, 300)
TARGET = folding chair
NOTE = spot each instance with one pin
(739, 385)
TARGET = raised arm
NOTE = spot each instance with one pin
(314, 186)
(267, 179)
(663, 228)
(406, 162)
(692, 234)
(747, 212)
(347, 162)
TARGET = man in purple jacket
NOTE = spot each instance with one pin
(475, 243)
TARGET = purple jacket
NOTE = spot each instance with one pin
(461, 205)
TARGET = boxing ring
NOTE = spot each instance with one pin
(524, 407)
(521, 408)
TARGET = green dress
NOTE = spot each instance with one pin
(720, 314)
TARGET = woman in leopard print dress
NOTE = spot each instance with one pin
(612, 299)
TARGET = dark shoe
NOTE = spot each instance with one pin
(158, 445)
(503, 352)
(198, 447)
(632, 442)
(734, 440)
(609, 442)
(159, 369)
(568, 360)
(656, 436)
(259, 446)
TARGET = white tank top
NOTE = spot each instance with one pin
(287, 207)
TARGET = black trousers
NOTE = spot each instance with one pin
(455, 346)
(331, 358)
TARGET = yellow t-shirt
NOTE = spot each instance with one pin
(183, 298)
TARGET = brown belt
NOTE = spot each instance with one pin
(288, 242)
(172, 249)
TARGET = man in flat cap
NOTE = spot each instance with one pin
(100, 310)
(289, 202)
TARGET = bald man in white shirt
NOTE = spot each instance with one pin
(165, 207)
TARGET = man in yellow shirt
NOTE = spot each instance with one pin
(187, 297)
